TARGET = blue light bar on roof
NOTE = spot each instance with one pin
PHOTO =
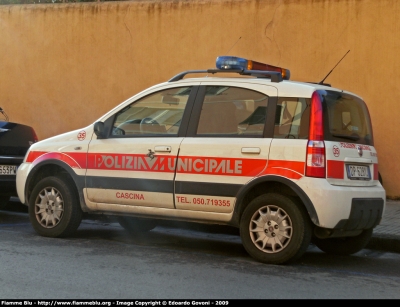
(231, 62)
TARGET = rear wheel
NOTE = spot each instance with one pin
(275, 229)
(54, 209)
(136, 225)
(344, 246)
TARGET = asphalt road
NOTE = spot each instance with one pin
(103, 262)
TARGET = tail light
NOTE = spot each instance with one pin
(315, 162)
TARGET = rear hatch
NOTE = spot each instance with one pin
(350, 155)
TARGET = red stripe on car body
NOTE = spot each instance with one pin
(335, 169)
(182, 165)
(74, 160)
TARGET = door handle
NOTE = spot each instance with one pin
(162, 148)
(251, 150)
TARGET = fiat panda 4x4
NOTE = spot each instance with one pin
(288, 163)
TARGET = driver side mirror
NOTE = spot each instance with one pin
(99, 130)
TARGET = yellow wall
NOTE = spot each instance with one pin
(64, 65)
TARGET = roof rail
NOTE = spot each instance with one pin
(319, 83)
(273, 75)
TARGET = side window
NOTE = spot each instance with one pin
(292, 118)
(232, 111)
(158, 113)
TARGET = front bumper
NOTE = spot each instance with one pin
(22, 174)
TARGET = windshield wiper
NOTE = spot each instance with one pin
(349, 137)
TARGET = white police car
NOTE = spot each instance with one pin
(286, 162)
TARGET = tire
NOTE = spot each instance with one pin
(284, 229)
(4, 202)
(344, 246)
(136, 225)
(54, 209)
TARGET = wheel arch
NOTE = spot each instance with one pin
(54, 168)
(268, 184)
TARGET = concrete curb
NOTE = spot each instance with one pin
(383, 242)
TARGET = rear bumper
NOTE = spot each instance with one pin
(8, 185)
(365, 213)
(8, 182)
(344, 207)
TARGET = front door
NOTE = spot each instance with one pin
(135, 164)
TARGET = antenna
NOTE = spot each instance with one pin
(234, 44)
(322, 82)
(228, 50)
(4, 114)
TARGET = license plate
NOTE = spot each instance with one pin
(8, 169)
(358, 172)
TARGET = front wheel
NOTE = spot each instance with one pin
(54, 209)
(344, 246)
(275, 229)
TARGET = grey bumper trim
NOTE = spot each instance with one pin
(365, 213)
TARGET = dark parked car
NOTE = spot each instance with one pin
(15, 139)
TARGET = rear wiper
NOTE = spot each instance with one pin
(349, 137)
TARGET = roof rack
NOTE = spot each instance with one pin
(325, 84)
(273, 75)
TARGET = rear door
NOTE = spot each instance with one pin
(225, 146)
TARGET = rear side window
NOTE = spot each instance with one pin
(292, 118)
(346, 119)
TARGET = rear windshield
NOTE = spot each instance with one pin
(346, 119)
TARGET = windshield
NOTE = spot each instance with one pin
(158, 113)
(346, 119)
